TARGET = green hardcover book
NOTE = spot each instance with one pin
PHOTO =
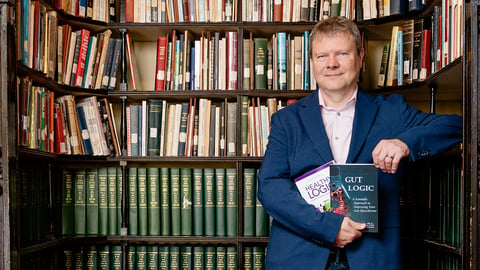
(163, 258)
(133, 204)
(142, 201)
(261, 217)
(154, 126)
(210, 201)
(153, 201)
(68, 257)
(80, 202)
(210, 258)
(174, 258)
(244, 125)
(175, 201)
(231, 201)
(165, 201)
(119, 199)
(221, 258)
(92, 200)
(104, 258)
(186, 258)
(141, 257)
(258, 258)
(197, 198)
(78, 259)
(92, 258)
(198, 258)
(132, 258)
(152, 257)
(232, 258)
(248, 258)
(116, 257)
(231, 129)
(112, 201)
(220, 211)
(249, 202)
(67, 203)
(102, 201)
(260, 63)
(186, 201)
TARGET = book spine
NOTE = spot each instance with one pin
(249, 202)
(186, 257)
(153, 201)
(92, 201)
(154, 126)
(231, 129)
(152, 257)
(210, 258)
(175, 200)
(163, 257)
(165, 216)
(260, 63)
(186, 201)
(112, 201)
(68, 202)
(231, 202)
(231, 258)
(116, 257)
(119, 199)
(210, 201)
(142, 201)
(198, 202)
(220, 206)
(103, 193)
(80, 202)
(132, 202)
(261, 218)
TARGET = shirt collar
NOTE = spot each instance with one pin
(349, 102)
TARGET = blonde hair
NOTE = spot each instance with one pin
(334, 25)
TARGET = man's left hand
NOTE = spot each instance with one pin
(388, 153)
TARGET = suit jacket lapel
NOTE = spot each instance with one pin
(312, 121)
(365, 113)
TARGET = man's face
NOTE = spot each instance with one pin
(335, 62)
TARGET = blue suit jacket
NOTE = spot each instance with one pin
(301, 236)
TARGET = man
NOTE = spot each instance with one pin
(343, 123)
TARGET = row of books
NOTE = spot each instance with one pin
(161, 201)
(180, 11)
(163, 257)
(420, 47)
(98, 10)
(32, 205)
(196, 128)
(36, 36)
(371, 9)
(211, 63)
(88, 60)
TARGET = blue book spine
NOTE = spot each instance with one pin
(192, 69)
(306, 61)
(400, 58)
(282, 61)
(84, 130)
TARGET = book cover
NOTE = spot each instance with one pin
(354, 193)
(314, 186)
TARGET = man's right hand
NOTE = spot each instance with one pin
(349, 231)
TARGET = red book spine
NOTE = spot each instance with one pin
(130, 62)
(426, 64)
(161, 63)
(232, 60)
(129, 11)
(82, 57)
(60, 147)
(278, 11)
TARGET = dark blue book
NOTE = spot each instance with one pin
(82, 122)
(354, 193)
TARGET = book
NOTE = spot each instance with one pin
(103, 193)
(153, 201)
(132, 202)
(80, 192)
(92, 199)
(354, 193)
(68, 202)
(165, 216)
(249, 194)
(231, 201)
(260, 63)
(198, 202)
(186, 201)
(220, 205)
(142, 201)
(314, 186)
(112, 201)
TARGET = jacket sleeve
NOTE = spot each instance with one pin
(426, 134)
(280, 197)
